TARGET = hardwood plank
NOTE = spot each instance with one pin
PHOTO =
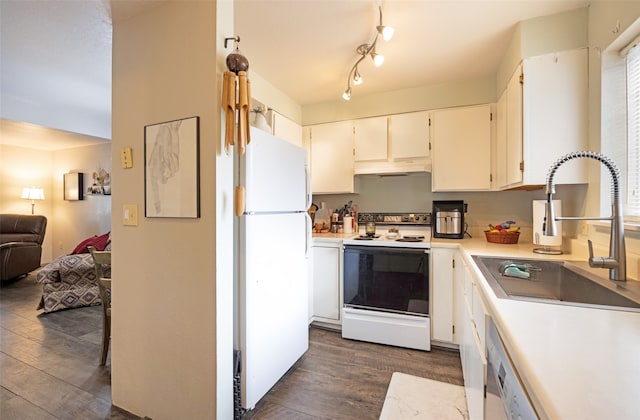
(49, 393)
(13, 406)
(49, 362)
(347, 379)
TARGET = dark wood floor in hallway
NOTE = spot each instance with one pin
(49, 364)
(345, 379)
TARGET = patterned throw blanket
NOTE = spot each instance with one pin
(69, 281)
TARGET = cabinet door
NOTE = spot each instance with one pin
(326, 282)
(555, 115)
(409, 135)
(514, 128)
(474, 386)
(332, 158)
(442, 294)
(461, 142)
(287, 130)
(458, 298)
(370, 139)
(501, 141)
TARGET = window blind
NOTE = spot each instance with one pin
(633, 132)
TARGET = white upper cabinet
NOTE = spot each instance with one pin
(392, 144)
(370, 139)
(546, 117)
(509, 158)
(287, 130)
(331, 149)
(409, 135)
(461, 149)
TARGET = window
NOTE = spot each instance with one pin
(633, 131)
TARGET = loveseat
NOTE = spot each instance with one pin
(69, 281)
(21, 238)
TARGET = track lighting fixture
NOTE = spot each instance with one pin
(386, 32)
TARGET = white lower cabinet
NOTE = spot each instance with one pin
(442, 286)
(327, 282)
(472, 346)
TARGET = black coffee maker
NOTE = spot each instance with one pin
(448, 219)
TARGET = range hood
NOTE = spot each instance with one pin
(392, 167)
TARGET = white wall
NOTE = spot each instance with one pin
(68, 222)
(74, 221)
(166, 66)
(19, 168)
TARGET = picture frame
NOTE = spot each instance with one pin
(172, 169)
(73, 186)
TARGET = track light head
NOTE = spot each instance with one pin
(378, 59)
(386, 32)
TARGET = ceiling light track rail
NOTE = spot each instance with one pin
(364, 50)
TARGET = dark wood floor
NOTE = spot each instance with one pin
(49, 368)
(49, 363)
(345, 379)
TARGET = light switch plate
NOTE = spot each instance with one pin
(130, 214)
(126, 158)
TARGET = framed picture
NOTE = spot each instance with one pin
(172, 169)
(73, 186)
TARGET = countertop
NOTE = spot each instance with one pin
(575, 362)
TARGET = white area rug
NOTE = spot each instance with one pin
(411, 397)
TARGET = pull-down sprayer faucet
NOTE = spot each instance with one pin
(617, 260)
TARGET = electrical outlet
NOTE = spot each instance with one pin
(126, 158)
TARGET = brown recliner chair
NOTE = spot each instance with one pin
(21, 239)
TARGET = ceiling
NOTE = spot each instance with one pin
(56, 54)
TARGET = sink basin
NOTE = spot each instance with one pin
(555, 281)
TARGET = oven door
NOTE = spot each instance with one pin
(388, 279)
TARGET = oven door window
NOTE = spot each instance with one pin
(387, 279)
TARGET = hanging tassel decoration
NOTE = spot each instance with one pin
(237, 65)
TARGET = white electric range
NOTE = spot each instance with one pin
(414, 230)
(386, 281)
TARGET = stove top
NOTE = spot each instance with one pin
(415, 219)
(414, 230)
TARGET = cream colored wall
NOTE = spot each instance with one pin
(74, 221)
(269, 95)
(542, 35)
(68, 222)
(443, 95)
(21, 167)
(163, 349)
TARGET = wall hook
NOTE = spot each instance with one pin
(236, 39)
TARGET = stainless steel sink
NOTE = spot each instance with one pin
(554, 281)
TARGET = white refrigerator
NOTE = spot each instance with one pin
(274, 241)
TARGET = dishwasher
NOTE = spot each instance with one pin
(506, 397)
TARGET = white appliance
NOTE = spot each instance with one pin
(386, 281)
(274, 237)
(539, 238)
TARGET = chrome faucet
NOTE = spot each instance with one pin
(616, 262)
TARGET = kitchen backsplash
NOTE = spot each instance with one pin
(412, 193)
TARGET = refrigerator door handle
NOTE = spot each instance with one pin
(307, 177)
(308, 224)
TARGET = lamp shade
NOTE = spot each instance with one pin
(33, 193)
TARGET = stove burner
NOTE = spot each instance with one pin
(366, 237)
(410, 239)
